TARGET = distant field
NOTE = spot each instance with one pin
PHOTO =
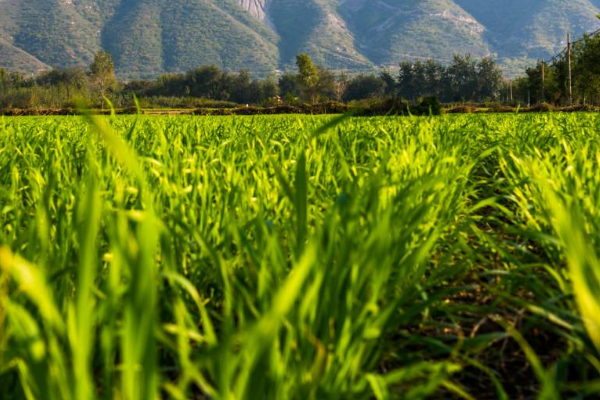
(299, 257)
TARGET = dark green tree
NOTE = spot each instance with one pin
(241, 88)
(208, 82)
(326, 85)
(4, 79)
(587, 70)
(407, 80)
(433, 75)
(364, 87)
(263, 91)
(289, 85)
(461, 79)
(390, 85)
(489, 80)
(549, 90)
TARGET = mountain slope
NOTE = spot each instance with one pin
(145, 37)
(15, 59)
(314, 26)
(257, 8)
(150, 37)
(521, 31)
(220, 33)
(50, 30)
(534, 28)
(390, 30)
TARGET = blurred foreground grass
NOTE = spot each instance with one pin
(300, 257)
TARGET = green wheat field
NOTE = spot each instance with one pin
(287, 257)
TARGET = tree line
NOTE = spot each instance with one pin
(465, 79)
(548, 82)
(60, 87)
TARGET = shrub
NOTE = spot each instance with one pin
(428, 105)
(542, 107)
(462, 110)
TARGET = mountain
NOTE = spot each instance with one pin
(315, 27)
(150, 37)
(391, 30)
(532, 29)
(145, 37)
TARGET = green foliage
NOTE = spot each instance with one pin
(299, 258)
(4, 78)
(364, 87)
(102, 73)
(462, 80)
(552, 85)
(308, 75)
(202, 87)
(431, 105)
(102, 67)
(53, 89)
(208, 82)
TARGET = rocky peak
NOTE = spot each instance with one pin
(258, 8)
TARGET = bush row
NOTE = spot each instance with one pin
(365, 108)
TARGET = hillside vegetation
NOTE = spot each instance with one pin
(150, 37)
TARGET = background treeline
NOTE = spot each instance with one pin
(465, 79)
(548, 82)
(208, 82)
(56, 88)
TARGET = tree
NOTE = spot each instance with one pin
(461, 76)
(390, 86)
(489, 79)
(289, 85)
(550, 91)
(434, 74)
(341, 85)
(269, 88)
(326, 85)
(74, 77)
(406, 78)
(308, 75)
(10, 79)
(102, 73)
(587, 69)
(171, 85)
(263, 91)
(241, 89)
(421, 79)
(364, 87)
(208, 82)
(4, 79)
(413, 80)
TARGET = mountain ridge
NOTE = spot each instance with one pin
(152, 37)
